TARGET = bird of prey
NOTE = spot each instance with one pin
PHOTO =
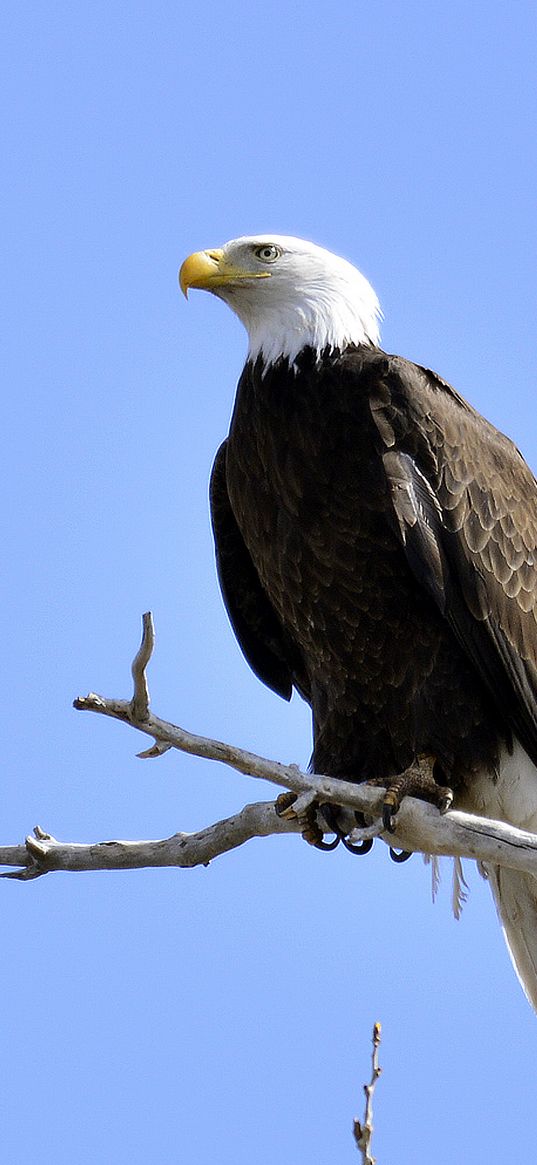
(376, 544)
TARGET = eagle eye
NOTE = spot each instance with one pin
(268, 253)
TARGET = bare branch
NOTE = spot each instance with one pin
(363, 1132)
(420, 827)
(42, 853)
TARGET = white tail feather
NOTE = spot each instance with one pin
(515, 895)
(512, 796)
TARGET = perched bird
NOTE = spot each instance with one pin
(376, 543)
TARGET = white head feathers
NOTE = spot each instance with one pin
(288, 293)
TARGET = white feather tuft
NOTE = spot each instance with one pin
(460, 888)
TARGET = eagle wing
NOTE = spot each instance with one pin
(261, 637)
(466, 506)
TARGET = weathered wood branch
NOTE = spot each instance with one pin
(41, 854)
(363, 1131)
(419, 826)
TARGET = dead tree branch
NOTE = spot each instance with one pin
(364, 1132)
(42, 853)
(419, 826)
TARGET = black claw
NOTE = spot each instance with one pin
(329, 812)
(400, 855)
(330, 815)
(358, 847)
(327, 845)
(388, 819)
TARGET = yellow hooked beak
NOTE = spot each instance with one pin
(209, 270)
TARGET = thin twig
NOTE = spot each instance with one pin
(364, 1132)
(140, 699)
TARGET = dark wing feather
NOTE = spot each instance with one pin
(466, 506)
(261, 637)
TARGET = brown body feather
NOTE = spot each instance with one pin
(376, 544)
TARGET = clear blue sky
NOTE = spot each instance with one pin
(225, 1014)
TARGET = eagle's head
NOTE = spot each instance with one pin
(288, 293)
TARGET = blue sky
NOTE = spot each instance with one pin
(225, 1013)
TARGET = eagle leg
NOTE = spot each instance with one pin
(417, 781)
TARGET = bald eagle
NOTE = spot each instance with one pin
(376, 543)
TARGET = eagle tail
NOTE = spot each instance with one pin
(515, 895)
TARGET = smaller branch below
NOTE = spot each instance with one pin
(364, 1132)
